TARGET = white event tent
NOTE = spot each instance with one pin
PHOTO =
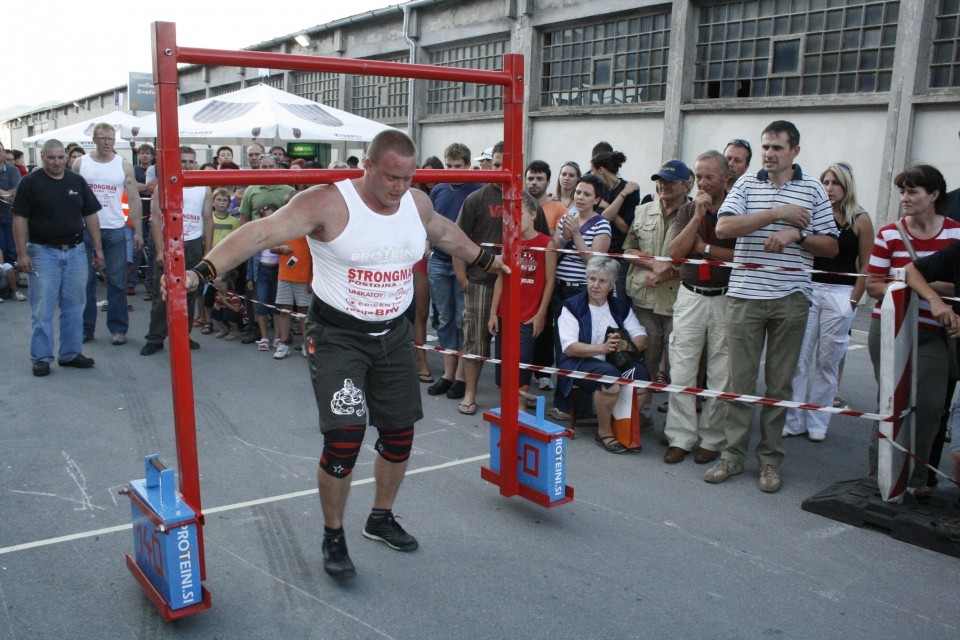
(127, 126)
(266, 115)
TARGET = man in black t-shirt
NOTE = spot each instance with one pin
(49, 213)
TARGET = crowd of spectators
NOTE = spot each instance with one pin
(641, 302)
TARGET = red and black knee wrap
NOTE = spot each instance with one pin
(395, 445)
(340, 450)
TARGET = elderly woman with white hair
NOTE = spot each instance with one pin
(593, 326)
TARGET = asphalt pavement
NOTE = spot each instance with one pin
(645, 550)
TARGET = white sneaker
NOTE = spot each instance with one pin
(303, 349)
(545, 383)
(19, 296)
(283, 350)
(816, 436)
(263, 344)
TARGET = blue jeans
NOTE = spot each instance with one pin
(448, 298)
(115, 267)
(527, 343)
(58, 278)
(7, 244)
(143, 259)
(266, 289)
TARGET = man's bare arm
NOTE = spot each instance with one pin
(742, 225)
(299, 217)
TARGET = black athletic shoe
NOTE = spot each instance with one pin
(80, 362)
(389, 531)
(336, 560)
(41, 368)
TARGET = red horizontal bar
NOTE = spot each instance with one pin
(293, 62)
(324, 176)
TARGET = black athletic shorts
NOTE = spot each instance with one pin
(360, 378)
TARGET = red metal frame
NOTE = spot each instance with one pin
(166, 56)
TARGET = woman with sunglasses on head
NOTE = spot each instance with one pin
(921, 231)
(834, 300)
(618, 203)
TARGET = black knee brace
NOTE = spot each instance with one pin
(340, 450)
(394, 446)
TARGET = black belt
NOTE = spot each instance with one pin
(61, 247)
(706, 291)
(570, 283)
(321, 311)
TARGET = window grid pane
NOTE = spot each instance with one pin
(380, 97)
(319, 86)
(572, 56)
(846, 46)
(445, 97)
(945, 53)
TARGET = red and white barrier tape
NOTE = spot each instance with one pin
(712, 263)
(673, 388)
(669, 388)
(289, 312)
(704, 393)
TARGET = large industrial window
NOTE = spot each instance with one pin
(380, 97)
(945, 56)
(319, 86)
(610, 61)
(773, 48)
(445, 97)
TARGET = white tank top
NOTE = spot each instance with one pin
(106, 179)
(367, 271)
(193, 212)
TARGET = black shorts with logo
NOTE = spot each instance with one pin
(358, 377)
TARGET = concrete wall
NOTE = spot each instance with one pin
(935, 140)
(477, 136)
(557, 140)
(825, 137)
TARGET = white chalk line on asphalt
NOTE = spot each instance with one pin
(229, 507)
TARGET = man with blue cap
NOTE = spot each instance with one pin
(652, 284)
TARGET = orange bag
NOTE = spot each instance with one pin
(626, 419)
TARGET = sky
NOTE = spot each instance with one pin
(73, 49)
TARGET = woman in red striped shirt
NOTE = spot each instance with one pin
(925, 231)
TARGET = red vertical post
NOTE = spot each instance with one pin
(170, 181)
(510, 325)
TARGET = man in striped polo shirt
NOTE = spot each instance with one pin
(780, 217)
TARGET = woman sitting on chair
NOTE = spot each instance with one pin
(586, 343)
